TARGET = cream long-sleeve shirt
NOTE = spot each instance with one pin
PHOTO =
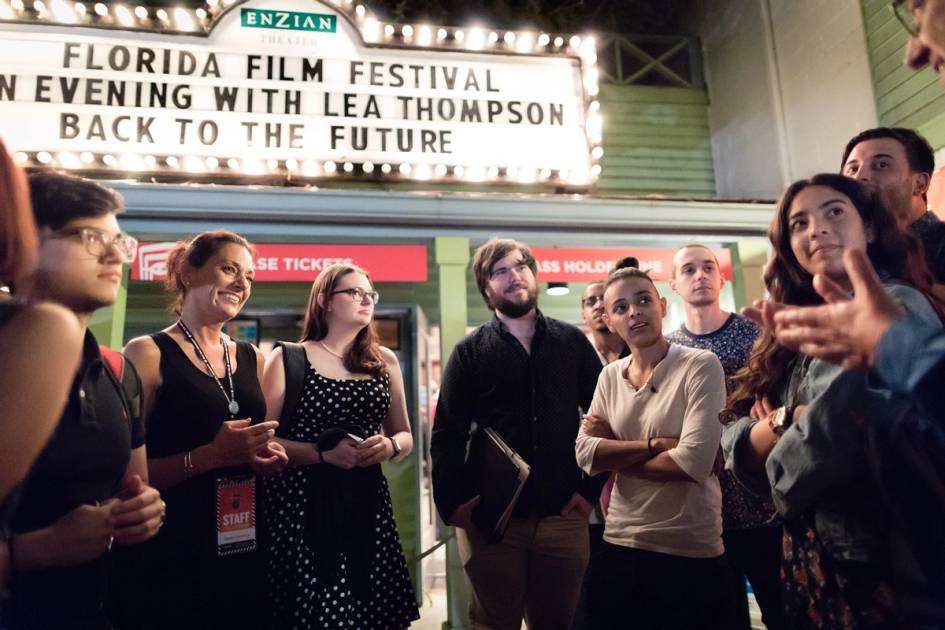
(682, 399)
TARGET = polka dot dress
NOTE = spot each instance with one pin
(304, 597)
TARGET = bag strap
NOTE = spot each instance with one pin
(294, 361)
(129, 384)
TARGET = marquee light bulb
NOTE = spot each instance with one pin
(183, 20)
(545, 173)
(441, 34)
(67, 159)
(171, 161)
(161, 15)
(292, 164)
(124, 16)
(493, 172)
(87, 157)
(543, 39)
(475, 174)
(574, 42)
(6, 11)
(389, 30)
(253, 167)
(150, 161)
(526, 175)
(193, 164)
(440, 170)
(348, 167)
(559, 42)
(330, 167)
(459, 35)
(360, 10)
(212, 162)
(476, 39)
(367, 167)
(404, 169)
(110, 160)
(310, 168)
(596, 170)
(493, 37)
(43, 157)
(63, 11)
(385, 168)
(422, 172)
(425, 36)
(141, 13)
(371, 30)
(272, 164)
(21, 157)
(233, 164)
(509, 38)
(407, 31)
(132, 162)
(525, 42)
(459, 170)
(597, 153)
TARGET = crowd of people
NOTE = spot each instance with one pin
(192, 482)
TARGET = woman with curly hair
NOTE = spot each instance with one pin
(802, 431)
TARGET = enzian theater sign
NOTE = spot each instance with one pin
(297, 88)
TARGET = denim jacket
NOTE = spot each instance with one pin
(819, 465)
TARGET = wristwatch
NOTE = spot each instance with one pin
(396, 446)
(782, 419)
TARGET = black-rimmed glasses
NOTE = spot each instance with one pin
(905, 13)
(97, 242)
(358, 294)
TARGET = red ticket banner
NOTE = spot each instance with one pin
(303, 263)
(560, 264)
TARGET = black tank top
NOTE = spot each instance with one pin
(180, 580)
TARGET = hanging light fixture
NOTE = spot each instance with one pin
(558, 288)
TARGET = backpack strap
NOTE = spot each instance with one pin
(129, 384)
(294, 361)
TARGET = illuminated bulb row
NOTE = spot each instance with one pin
(133, 162)
(112, 14)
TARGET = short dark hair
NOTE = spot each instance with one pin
(628, 272)
(59, 198)
(627, 261)
(491, 252)
(918, 150)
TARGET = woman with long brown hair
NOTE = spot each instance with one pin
(799, 428)
(207, 445)
(334, 558)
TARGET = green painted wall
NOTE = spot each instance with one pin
(656, 140)
(904, 98)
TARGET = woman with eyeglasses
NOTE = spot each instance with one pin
(207, 443)
(334, 557)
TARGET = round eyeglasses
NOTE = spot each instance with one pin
(358, 294)
(98, 242)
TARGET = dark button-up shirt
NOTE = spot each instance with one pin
(931, 231)
(530, 399)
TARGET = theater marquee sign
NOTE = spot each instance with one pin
(294, 87)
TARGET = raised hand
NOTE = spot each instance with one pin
(345, 455)
(138, 514)
(237, 442)
(374, 450)
(270, 460)
(462, 516)
(844, 331)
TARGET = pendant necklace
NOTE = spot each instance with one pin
(233, 406)
(330, 351)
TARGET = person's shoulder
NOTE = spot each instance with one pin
(389, 357)
(742, 324)
(912, 300)
(678, 336)
(142, 350)
(697, 358)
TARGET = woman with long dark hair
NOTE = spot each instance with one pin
(799, 429)
(334, 559)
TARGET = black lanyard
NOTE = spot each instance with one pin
(233, 406)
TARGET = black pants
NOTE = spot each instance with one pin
(756, 554)
(581, 617)
(632, 588)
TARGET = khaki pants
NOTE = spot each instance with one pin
(535, 572)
